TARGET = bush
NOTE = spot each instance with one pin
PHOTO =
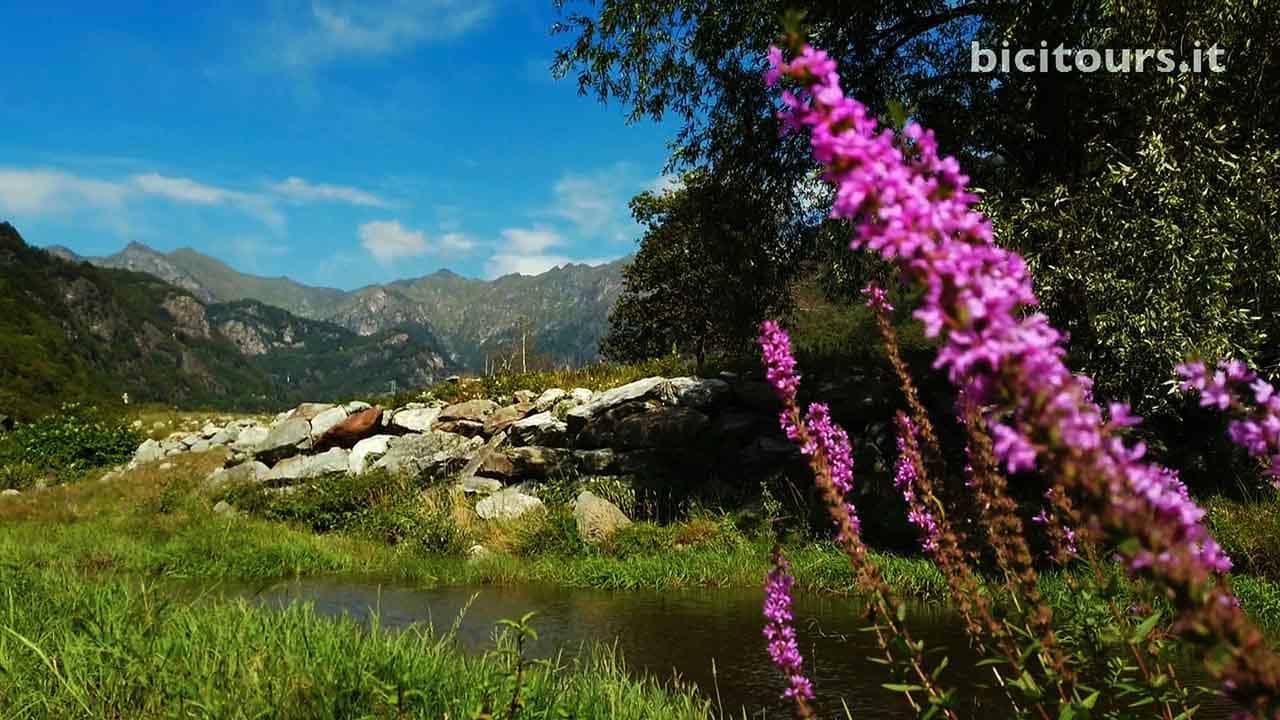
(75, 439)
(640, 539)
(552, 532)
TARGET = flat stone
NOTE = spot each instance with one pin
(351, 431)
(201, 446)
(284, 440)
(473, 465)
(356, 406)
(307, 411)
(303, 467)
(250, 437)
(524, 396)
(505, 416)
(321, 424)
(471, 410)
(480, 485)
(698, 393)
(539, 429)
(242, 474)
(468, 428)
(209, 430)
(507, 504)
(526, 462)
(429, 455)
(578, 417)
(548, 399)
(581, 396)
(418, 420)
(367, 451)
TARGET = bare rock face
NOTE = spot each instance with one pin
(597, 518)
(355, 428)
(189, 315)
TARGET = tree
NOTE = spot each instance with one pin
(1110, 183)
(703, 278)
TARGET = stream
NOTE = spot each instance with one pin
(710, 637)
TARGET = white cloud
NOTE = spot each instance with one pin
(325, 32)
(388, 241)
(41, 191)
(529, 241)
(299, 190)
(456, 242)
(591, 202)
(525, 251)
(185, 190)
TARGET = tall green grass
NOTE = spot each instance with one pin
(112, 649)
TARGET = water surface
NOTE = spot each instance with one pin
(710, 637)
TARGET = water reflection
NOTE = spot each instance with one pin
(687, 632)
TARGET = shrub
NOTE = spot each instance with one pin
(551, 532)
(75, 439)
(640, 539)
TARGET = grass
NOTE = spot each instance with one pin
(109, 648)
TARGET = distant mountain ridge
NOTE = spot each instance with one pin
(562, 313)
(72, 331)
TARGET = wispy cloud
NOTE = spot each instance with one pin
(188, 191)
(389, 241)
(315, 34)
(299, 190)
(525, 251)
(41, 191)
(595, 202)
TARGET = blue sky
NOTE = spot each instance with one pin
(338, 143)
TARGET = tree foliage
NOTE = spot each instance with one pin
(703, 279)
(1145, 201)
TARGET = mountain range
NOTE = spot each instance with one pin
(561, 313)
(184, 328)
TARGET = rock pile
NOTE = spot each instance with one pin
(501, 450)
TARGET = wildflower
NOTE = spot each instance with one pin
(1256, 425)
(781, 636)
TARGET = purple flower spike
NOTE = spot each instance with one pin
(781, 636)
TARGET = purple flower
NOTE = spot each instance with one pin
(912, 206)
(877, 299)
(1252, 402)
(779, 633)
(907, 478)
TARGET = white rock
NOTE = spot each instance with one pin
(149, 451)
(548, 399)
(417, 420)
(250, 437)
(356, 406)
(166, 466)
(9, 493)
(325, 420)
(303, 467)
(366, 451)
(507, 504)
(582, 395)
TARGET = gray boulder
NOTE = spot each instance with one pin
(645, 426)
(507, 504)
(480, 485)
(428, 455)
(148, 451)
(524, 396)
(578, 417)
(525, 462)
(540, 429)
(367, 451)
(472, 411)
(597, 518)
(321, 423)
(242, 474)
(698, 393)
(284, 440)
(595, 462)
(304, 467)
(548, 399)
(581, 396)
(414, 419)
(250, 437)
